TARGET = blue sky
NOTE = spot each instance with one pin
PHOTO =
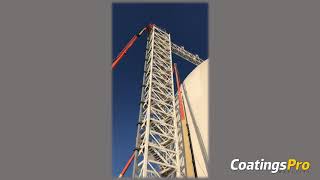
(188, 26)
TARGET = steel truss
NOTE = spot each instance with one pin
(180, 51)
(159, 145)
(158, 151)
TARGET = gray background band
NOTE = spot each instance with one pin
(55, 113)
(266, 85)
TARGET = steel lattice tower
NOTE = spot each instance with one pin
(157, 135)
(159, 147)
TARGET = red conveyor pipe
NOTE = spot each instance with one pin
(181, 108)
(124, 51)
(127, 165)
(126, 48)
(129, 44)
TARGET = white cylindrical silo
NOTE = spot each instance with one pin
(196, 102)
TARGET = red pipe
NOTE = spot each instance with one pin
(127, 165)
(181, 108)
(128, 46)
(124, 51)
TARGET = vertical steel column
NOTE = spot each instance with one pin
(157, 133)
(142, 109)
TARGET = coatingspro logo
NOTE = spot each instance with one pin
(274, 167)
